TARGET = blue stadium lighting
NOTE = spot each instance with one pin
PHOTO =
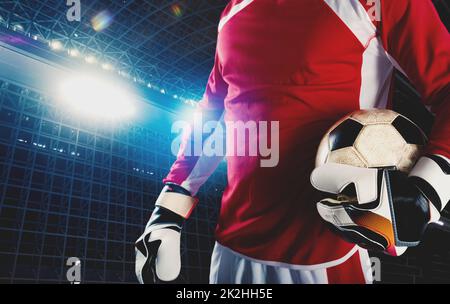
(96, 97)
(57, 45)
(38, 145)
(139, 170)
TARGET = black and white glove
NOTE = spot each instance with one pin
(391, 210)
(158, 257)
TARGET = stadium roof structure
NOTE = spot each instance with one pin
(164, 44)
(168, 45)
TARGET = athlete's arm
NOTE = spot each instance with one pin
(158, 248)
(193, 167)
(418, 44)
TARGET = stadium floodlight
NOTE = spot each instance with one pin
(74, 53)
(94, 96)
(107, 66)
(191, 102)
(90, 59)
(18, 28)
(38, 37)
(56, 45)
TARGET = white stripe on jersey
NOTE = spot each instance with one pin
(376, 75)
(234, 10)
(355, 16)
(377, 67)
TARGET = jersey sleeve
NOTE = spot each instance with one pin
(193, 166)
(418, 44)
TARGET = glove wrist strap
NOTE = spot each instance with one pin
(431, 175)
(177, 199)
(164, 218)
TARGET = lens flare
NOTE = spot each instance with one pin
(14, 40)
(102, 20)
(177, 10)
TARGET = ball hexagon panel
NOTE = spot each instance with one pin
(380, 145)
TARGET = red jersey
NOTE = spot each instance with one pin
(306, 64)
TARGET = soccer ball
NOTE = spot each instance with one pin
(373, 139)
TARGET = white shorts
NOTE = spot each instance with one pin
(230, 267)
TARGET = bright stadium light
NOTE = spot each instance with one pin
(95, 96)
(107, 66)
(56, 45)
(18, 28)
(90, 59)
(74, 53)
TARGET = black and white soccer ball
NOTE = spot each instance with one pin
(373, 139)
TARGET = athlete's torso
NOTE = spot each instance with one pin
(300, 63)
